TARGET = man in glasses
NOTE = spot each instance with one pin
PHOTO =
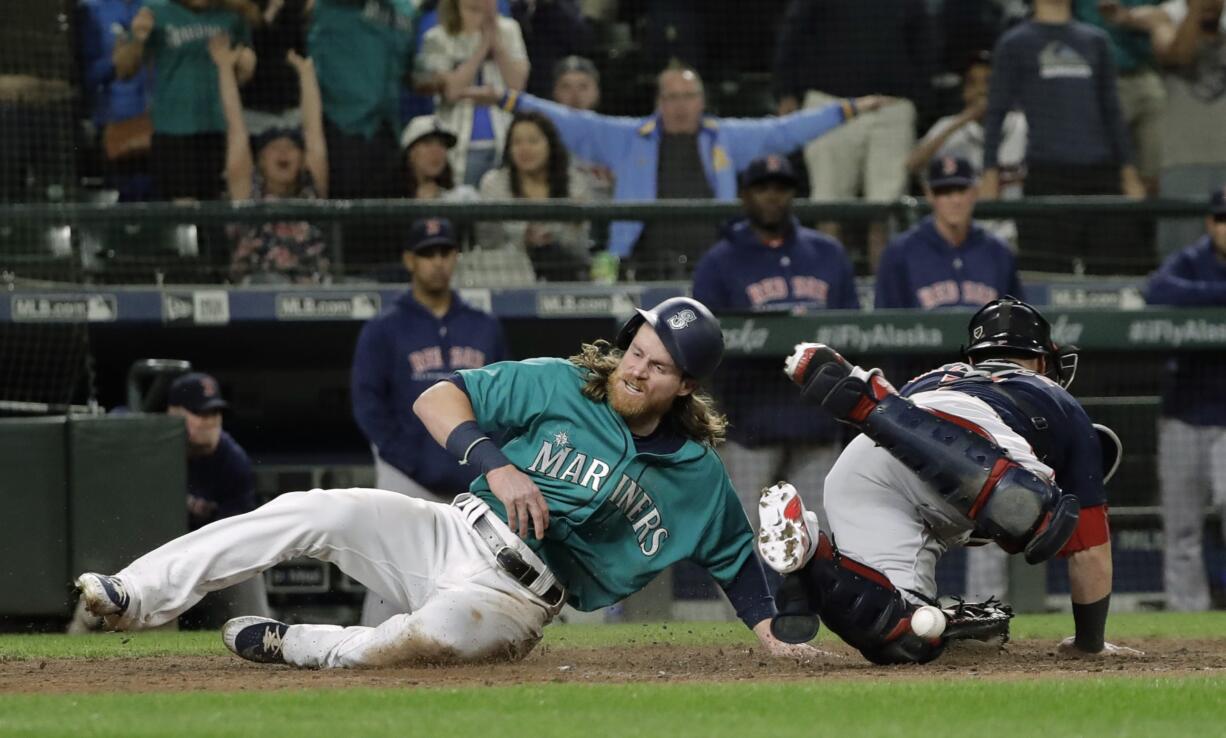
(428, 334)
(1192, 429)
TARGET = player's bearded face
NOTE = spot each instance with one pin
(646, 381)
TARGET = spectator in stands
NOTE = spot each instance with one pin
(188, 146)
(1142, 96)
(1192, 429)
(576, 84)
(1189, 40)
(832, 49)
(288, 163)
(220, 484)
(362, 51)
(947, 260)
(428, 334)
(269, 99)
(537, 167)
(961, 136)
(1061, 74)
(427, 171)
(676, 153)
(767, 262)
(119, 107)
(472, 45)
(552, 31)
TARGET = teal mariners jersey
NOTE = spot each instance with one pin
(617, 517)
(186, 100)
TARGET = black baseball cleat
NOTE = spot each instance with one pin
(986, 621)
(104, 596)
(255, 638)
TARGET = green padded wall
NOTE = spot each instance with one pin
(34, 576)
(127, 484)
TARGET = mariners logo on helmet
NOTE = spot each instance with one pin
(682, 319)
(688, 330)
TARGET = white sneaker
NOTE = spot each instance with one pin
(788, 533)
(104, 597)
(255, 638)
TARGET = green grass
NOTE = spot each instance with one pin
(846, 708)
(1086, 707)
(166, 643)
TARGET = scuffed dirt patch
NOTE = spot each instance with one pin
(627, 664)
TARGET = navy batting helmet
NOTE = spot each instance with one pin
(689, 332)
(1010, 326)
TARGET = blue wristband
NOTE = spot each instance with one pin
(468, 443)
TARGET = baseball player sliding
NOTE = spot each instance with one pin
(605, 476)
(969, 450)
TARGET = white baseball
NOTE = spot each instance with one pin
(928, 622)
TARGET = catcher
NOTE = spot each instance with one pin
(969, 452)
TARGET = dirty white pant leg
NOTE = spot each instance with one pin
(363, 531)
(470, 610)
(471, 623)
(375, 606)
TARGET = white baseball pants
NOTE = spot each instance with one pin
(455, 602)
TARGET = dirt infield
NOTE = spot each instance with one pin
(626, 664)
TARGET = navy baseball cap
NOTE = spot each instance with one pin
(769, 168)
(1217, 201)
(427, 232)
(198, 392)
(950, 171)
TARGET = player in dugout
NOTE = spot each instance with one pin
(605, 476)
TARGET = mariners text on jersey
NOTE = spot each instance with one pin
(629, 497)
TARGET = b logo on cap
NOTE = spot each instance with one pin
(433, 227)
(773, 163)
(949, 166)
(208, 386)
(682, 319)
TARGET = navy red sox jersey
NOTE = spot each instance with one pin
(1195, 386)
(920, 269)
(399, 355)
(1040, 411)
(805, 269)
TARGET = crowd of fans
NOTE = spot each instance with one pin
(263, 99)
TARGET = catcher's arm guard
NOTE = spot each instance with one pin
(848, 392)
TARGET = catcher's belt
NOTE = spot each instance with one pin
(518, 561)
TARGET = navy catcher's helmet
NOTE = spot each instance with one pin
(1010, 326)
(688, 330)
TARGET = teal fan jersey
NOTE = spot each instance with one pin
(617, 518)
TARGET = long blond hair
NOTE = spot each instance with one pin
(694, 415)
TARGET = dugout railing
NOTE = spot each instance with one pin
(153, 243)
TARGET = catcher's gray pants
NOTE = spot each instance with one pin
(1191, 474)
(752, 469)
(455, 601)
(375, 607)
